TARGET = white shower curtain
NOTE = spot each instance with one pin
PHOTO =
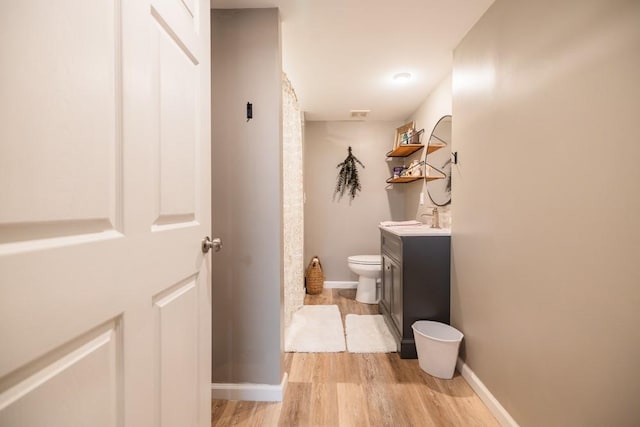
(293, 209)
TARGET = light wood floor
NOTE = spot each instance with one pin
(348, 389)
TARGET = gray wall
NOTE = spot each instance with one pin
(437, 104)
(546, 239)
(336, 229)
(247, 287)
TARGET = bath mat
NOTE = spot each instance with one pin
(315, 329)
(369, 334)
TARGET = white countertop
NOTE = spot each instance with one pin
(417, 230)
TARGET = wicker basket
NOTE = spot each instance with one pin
(314, 277)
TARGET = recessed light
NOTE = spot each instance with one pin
(402, 77)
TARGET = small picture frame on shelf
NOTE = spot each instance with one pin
(404, 134)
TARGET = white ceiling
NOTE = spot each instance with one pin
(340, 55)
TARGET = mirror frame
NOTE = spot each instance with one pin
(444, 165)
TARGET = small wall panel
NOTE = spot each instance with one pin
(177, 83)
(177, 350)
(75, 386)
(59, 157)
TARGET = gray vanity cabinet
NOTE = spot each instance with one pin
(392, 285)
(415, 284)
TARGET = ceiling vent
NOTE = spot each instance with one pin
(359, 114)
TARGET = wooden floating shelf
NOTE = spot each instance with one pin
(433, 147)
(405, 150)
(405, 179)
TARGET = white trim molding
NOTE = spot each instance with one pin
(250, 392)
(333, 284)
(485, 395)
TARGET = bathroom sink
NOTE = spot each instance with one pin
(417, 230)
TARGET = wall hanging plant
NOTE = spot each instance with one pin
(348, 176)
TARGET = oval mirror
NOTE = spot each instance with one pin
(440, 159)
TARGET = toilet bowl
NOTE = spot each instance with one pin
(368, 268)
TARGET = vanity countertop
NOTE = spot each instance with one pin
(417, 230)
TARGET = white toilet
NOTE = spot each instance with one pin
(368, 267)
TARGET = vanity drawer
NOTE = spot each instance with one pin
(391, 245)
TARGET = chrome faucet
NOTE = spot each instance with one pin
(435, 223)
(435, 214)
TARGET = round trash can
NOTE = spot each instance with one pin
(437, 345)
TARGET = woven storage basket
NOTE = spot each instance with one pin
(314, 277)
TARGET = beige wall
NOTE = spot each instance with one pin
(336, 229)
(247, 290)
(436, 105)
(546, 234)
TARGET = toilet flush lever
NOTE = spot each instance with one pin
(207, 244)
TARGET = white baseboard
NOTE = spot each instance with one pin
(334, 284)
(485, 395)
(250, 392)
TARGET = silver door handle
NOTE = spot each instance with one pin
(207, 244)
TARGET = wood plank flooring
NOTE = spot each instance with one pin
(349, 389)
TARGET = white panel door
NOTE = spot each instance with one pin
(104, 200)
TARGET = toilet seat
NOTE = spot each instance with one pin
(365, 259)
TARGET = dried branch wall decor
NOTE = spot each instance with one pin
(348, 176)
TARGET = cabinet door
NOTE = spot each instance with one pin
(387, 281)
(396, 294)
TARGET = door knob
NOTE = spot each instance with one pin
(207, 244)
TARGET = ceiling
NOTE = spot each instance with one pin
(341, 55)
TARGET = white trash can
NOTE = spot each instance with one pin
(437, 345)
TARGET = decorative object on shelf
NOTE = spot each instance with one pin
(348, 176)
(406, 137)
(415, 137)
(402, 134)
(440, 190)
(397, 171)
(415, 168)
